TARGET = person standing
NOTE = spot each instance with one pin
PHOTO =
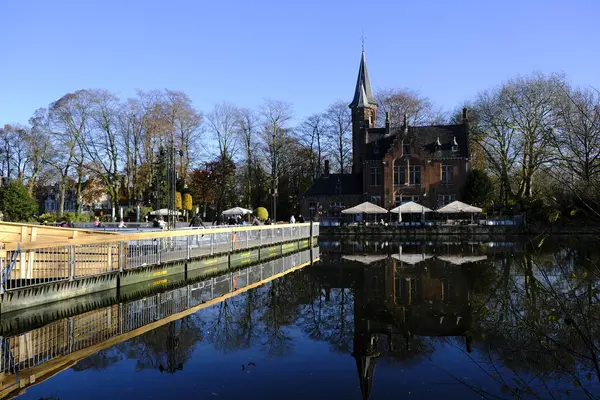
(292, 220)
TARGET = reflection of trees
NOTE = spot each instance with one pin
(167, 347)
(101, 360)
(542, 321)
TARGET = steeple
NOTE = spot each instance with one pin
(363, 95)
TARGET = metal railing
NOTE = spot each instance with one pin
(43, 263)
(40, 345)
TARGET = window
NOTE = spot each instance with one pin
(338, 187)
(406, 150)
(444, 199)
(399, 175)
(376, 200)
(375, 176)
(415, 175)
(447, 171)
(401, 199)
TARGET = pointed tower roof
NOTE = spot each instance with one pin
(363, 95)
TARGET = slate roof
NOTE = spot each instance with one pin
(336, 184)
(363, 95)
(426, 138)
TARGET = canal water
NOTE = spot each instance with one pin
(373, 318)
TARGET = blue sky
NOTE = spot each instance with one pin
(304, 52)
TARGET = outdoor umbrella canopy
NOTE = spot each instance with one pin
(367, 208)
(411, 259)
(237, 211)
(410, 208)
(365, 259)
(165, 211)
(459, 207)
(459, 260)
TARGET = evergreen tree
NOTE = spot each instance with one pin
(16, 203)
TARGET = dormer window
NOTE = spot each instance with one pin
(406, 150)
(454, 145)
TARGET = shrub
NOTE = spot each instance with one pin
(187, 202)
(261, 213)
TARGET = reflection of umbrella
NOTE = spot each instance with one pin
(366, 259)
(165, 211)
(411, 259)
(459, 207)
(367, 208)
(458, 260)
(237, 211)
(410, 208)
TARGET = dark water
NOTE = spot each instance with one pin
(372, 319)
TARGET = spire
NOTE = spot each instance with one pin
(363, 95)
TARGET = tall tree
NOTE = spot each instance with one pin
(222, 123)
(419, 109)
(247, 125)
(275, 135)
(69, 118)
(339, 135)
(312, 134)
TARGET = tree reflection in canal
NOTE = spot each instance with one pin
(527, 314)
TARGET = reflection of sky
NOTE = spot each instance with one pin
(309, 369)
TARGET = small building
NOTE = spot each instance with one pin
(393, 165)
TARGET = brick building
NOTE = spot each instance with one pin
(392, 165)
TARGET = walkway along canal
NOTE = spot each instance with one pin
(41, 272)
(31, 353)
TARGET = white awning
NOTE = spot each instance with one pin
(367, 208)
(410, 208)
(459, 207)
(237, 211)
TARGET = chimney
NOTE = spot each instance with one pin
(405, 123)
(387, 120)
(465, 115)
(326, 169)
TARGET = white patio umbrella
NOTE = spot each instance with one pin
(365, 259)
(459, 207)
(459, 260)
(410, 208)
(411, 259)
(237, 211)
(366, 208)
(165, 211)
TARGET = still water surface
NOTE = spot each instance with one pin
(374, 319)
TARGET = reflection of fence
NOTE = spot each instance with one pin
(41, 263)
(91, 329)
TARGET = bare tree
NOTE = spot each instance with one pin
(497, 140)
(275, 116)
(419, 109)
(185, 121)
(247, 128)
(577, 141)
(101, 141)
(222, 123)
(38, 147)
(14, 150)
(339, 135)
(69, 117)
(312, 134)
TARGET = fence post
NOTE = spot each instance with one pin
(121, 256)
(260, 231)
(71, 263)
(248, 239)
(188, 246)
(159, 243)
(212, 244)
(310, 238)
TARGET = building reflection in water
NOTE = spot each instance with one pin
(399, 298)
